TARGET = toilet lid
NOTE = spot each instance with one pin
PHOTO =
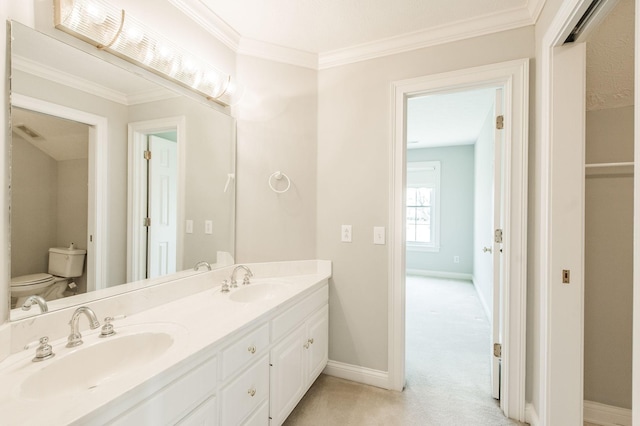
(31, 279)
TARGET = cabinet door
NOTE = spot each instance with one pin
(318, 339)
(288, 381)
(205, 415)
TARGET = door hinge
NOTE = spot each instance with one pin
(147, 155)
(498, 236)
(146, 221)
(500, 122)
(497, 350)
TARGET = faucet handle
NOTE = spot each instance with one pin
(246, 280)
(107, 329)
(44, 351)
(225, 287)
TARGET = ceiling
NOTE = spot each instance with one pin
(322, 33)
(59, 138)
(448, 119)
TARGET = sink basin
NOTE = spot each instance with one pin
(96, 363)
(258, 292)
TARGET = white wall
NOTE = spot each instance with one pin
(483, 213)
(456, 212)
(354, 110)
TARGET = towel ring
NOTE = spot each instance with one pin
(278, 176)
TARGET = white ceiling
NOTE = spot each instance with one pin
(322, 33)
(60, 139)
(448, 119)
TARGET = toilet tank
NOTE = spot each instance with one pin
(66, 262)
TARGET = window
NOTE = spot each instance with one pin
(422, 205)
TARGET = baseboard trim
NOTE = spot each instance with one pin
(530, 415)
(487, 311)
(440, 274)
(358, 374)
(606, 415)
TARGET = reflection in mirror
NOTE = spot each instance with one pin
(115, 178)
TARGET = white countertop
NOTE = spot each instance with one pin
(198, 321)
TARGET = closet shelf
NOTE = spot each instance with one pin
(598, 169)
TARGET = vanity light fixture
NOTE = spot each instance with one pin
(111, 29)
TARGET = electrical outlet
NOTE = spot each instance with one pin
(456, 259)
(346, 234)
(189, 226)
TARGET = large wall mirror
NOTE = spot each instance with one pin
(116, 177)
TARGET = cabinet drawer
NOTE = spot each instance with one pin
(294, 316)
(260, 417)
(245, 393)
(205, 415)
(248, 348)
(176, 399)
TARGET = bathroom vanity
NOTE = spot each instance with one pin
(242, 357)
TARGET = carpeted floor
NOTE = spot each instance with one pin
(447, 369)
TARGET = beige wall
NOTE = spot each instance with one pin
(608, 261)
(354, 110)
(277, 131)
(34, 208)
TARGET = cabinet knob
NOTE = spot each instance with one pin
(251, 392)
(306, 345)
(311, 340)
(252, 349)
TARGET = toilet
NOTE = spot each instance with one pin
(64, 263)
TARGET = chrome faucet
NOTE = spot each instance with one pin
(35, 299)
(202, 263)
(75, 338)
(248, 274)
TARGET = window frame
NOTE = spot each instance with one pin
(430, 170)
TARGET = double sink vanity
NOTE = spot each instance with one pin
(185, 351)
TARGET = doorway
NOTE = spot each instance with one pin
(453, 175)
(512, 77)
(156, 197)
(97, 224)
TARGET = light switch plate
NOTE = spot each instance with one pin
(189, 226)
(378, 235)
(208, 227)
(346, 234)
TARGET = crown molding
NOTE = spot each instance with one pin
(535, 9)
(70, 80)
(208, 20)
(460, 30)
(261, 49)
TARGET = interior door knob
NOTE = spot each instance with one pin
(487, 249)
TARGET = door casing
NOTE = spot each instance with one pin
(513, 77)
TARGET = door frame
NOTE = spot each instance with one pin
(513, 76)
(97, 228)
(136, 198)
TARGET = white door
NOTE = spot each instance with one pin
(496, 314)
(162, 232)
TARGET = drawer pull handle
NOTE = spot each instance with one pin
(252, 349)
(251, 392)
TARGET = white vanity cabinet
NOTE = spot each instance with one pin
(254, 376)
(298, 358)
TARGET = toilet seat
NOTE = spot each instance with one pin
(34, 281)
